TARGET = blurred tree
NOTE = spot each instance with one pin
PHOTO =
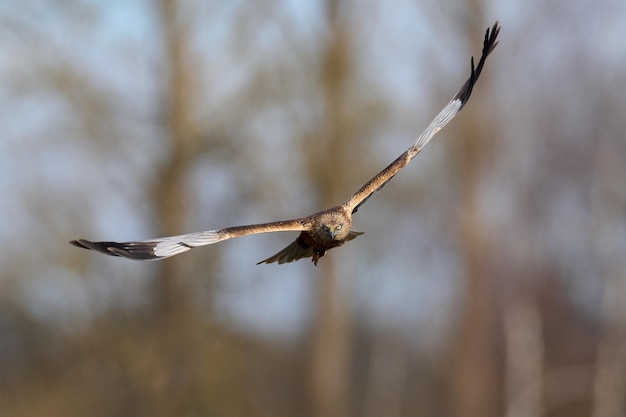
(324, 159)
(476, 347)
(607, 208)
(169, 186)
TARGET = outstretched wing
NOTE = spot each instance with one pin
(449, 111)
(153, 249)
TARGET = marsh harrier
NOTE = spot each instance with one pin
(319, 232)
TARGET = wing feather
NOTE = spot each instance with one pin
(296, 250)
(445, 115)
(159, 248)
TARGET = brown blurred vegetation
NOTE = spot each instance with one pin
(521, 200)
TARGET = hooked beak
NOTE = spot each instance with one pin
(332, 234)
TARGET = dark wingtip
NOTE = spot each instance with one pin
(95, 246)
(77, 244)
(491, 36)
(141, 251)
(489, 44)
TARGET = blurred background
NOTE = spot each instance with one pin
(491, 277)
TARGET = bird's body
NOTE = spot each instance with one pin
(320, 231)
(328, 229)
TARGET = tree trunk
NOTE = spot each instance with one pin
(477, 387)
(331, 345)
(169, 187)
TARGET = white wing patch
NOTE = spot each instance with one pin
(174, 245)
(438, 123)
(147, 250)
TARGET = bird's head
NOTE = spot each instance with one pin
(333, 230)
(332, 226)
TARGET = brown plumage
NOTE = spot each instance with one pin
(319, 232)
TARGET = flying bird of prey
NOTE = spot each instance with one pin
(319, 232)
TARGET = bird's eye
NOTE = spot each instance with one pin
(339, 226)
(326, 228)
